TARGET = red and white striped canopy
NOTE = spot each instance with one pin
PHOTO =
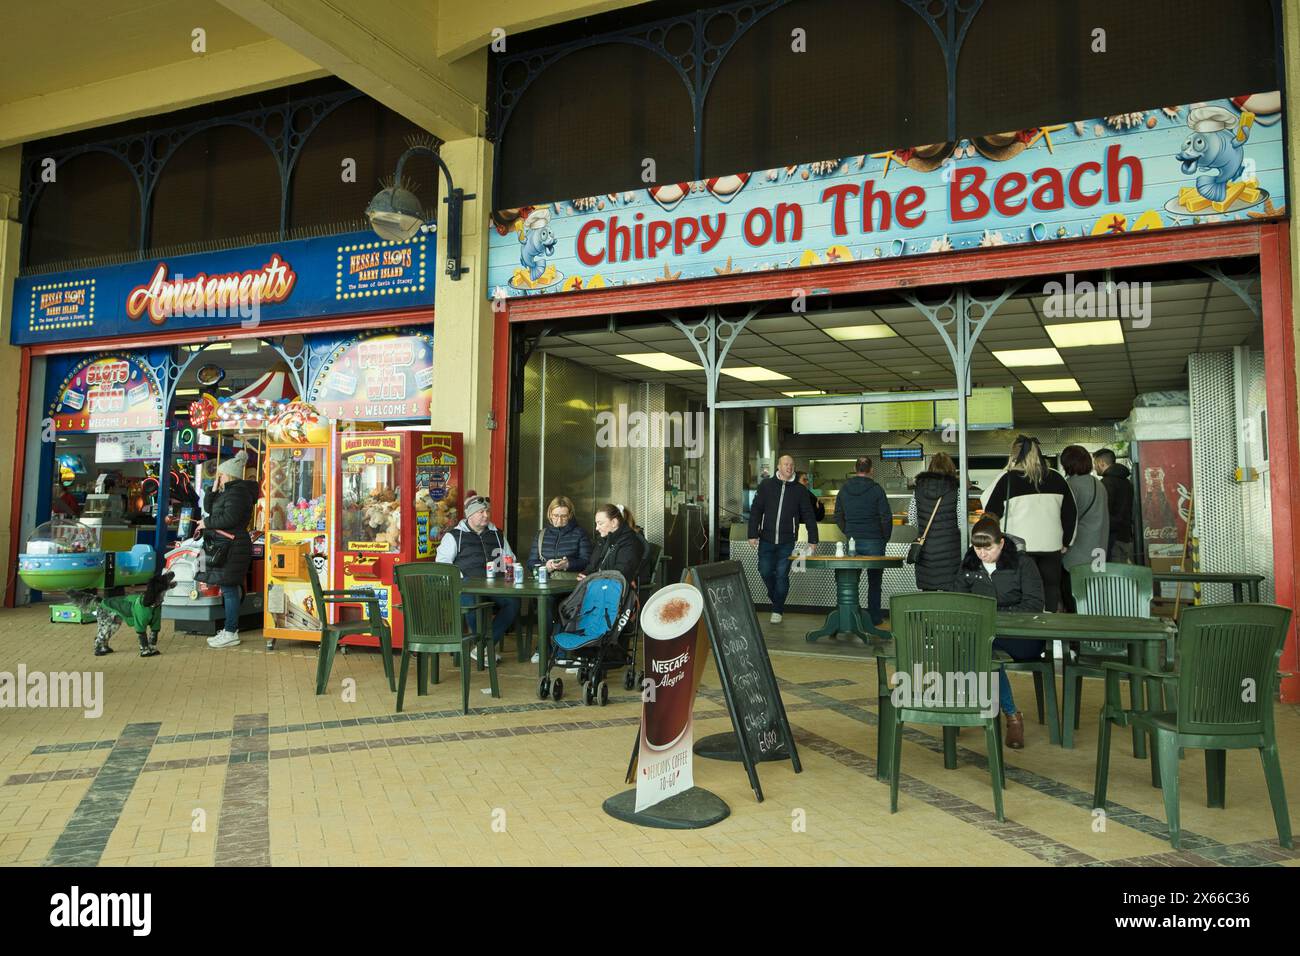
(274, 386)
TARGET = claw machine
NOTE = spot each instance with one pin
(398, 491)
(299, 516)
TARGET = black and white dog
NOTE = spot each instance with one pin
(143, 611)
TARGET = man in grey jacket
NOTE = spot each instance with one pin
(862, 512)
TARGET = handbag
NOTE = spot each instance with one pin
(914, 549)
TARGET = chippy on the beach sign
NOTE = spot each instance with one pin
(1217, 161)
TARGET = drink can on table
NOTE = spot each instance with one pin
(541, 574)
(519, 574)
(491, 570)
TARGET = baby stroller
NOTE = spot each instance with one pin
(597, 623)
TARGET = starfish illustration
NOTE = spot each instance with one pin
(723, 270)
(1116, 225)
(1045, 134)
(889, 157)
(1269, 211)
(667, 276)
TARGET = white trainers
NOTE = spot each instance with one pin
(224, 639)
(473, 655)
(775, 618)
(535, 658)
(221, 635)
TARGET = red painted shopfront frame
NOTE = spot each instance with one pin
(355, 323)
(1267, 241)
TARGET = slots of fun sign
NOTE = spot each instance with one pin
(1217, 161)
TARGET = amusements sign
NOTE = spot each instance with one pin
(1220, 161)
(376, 377)
(114, 393)
(295, 279)
(748, 682)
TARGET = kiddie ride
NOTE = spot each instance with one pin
(65, 555)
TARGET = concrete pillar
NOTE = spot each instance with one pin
(463, 317)
(10, 356)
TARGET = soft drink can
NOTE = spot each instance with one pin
(519, 574)
(839, 549)
(541, 574)
(491, 570)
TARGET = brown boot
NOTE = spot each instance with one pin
(1015, 730)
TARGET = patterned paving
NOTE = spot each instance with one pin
(206, 757)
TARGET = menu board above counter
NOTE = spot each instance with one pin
(827, 419)
(986, 408)
(898, 417)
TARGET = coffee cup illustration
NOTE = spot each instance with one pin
(668, 621)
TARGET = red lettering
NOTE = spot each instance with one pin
(1113, 165)
(764, 220)
(909, 200)
(620, 241)
(680, 237)
(869, 199)
(661, 233)
(585, 257)
(1077, 195)
(1053, 186)
(794, 213)
(1008, 187)
(958, 192)
(840, 195)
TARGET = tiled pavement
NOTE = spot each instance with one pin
(225, 757)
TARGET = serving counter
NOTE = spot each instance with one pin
(816, 591)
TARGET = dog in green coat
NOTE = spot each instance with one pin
(143, 611)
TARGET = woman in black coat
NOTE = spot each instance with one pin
(619, 548)
(941, 551)
(996, 567)
(226, 542)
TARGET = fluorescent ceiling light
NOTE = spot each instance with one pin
(853, 333)
(804, 394)
(1059, 408)
(1040, 385)
(1012, 358)
(754, 373)
(1078, 334)
(661, 362)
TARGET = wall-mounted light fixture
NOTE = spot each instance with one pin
(396, 213)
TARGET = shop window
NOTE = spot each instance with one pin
(587, 124)
(374, 137)
(221, 184)
(1026, 62)
(91, 209)
(871, 77)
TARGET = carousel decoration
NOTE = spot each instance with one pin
(298, 422)
(254, 407)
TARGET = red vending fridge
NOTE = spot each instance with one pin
(398, 493)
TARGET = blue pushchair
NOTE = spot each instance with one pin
(597, 625)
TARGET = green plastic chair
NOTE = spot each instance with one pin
(435, 624)
(330, 634)
(1122, 590)
(1221, 648)
(946, 634)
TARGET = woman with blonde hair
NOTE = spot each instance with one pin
(1036, 505)
(561, 545)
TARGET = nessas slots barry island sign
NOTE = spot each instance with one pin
(1215, 161)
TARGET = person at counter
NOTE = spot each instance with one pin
(226, 542)
(996, 567)
(1119, 497)
(470, 546)
(819, 509)
(1034, 502)
(562, 545)
(934, 506)
(1092, 532)
(780, 505)
(619, 548)
(62, 502)
(863, 514)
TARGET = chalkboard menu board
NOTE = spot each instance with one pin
(748, 683)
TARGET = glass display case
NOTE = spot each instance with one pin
(297, 489)
(297, 539)
(372, 512)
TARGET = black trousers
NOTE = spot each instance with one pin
(1050, 570)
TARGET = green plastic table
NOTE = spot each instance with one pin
(543, 593)
(1141, 635)
(847, 617)
(1250, 582)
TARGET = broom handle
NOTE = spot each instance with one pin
(1187, 536)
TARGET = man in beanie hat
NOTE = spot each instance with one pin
(226, 543)
(470, 546)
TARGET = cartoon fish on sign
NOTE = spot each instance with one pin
(1214, 150)
(539, 243)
